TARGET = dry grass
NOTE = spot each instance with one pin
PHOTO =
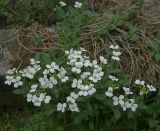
(136, 58)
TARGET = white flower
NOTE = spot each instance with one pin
(109, 93)
(114, 47)
(116, 53)
(79, 64)
(74, 95)
(45, 82)
(70, 99)
(84, 87)
(42, 97)
(33, 62)
(116, 58)
(113, 78)
(98, 72)
(45, 72)
(61, 107)
(137, 82)
(61, 75)
(142, 83)
(9, 80)
(36, 101)
(52, 81)
(29, 97)
(82, 93)
(72, 57)
(78, 5)
(85, 75)
(133, 106)
(103, 60)
(36, 67)
(52, 67)
(76, 70)
(127, 90)
(118, 100)
(29, 72)
(10, 72)
(76, 83)
(62, 3)
(94, 63)
(87, 63)
(95, 78)
(33, 88)
(73, 107)
(91, 91)
(17, 82)
(47, 99)
(151, 88)
(125, 105)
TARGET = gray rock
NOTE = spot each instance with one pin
(7, 41)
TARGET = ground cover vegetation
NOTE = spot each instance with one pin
(85, 65)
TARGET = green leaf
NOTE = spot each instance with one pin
(157, 56)
(143, 107)
(21, 91)
(81, 116)
(50, 109)
(60, 128)
(152, 122)
(37, 40)
(117, 114)
(131, 115)
(91, 125)
(108, 102)
(100, 96)
(158, 128)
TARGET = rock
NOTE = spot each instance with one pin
(7, 41)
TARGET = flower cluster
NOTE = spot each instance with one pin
(12, 78)
(144, 88)
(30, 71)
(130, 103)
(115, 53)
(123, 100)
(81, 76)
(62, 3)
(76, 5)
(37, 100)
(113, 78)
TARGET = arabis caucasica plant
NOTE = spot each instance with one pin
(79, 77)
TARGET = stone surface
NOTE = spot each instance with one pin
(7, 41)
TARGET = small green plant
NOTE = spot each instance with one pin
(155, 50)
(26, 12)
(71, 23)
